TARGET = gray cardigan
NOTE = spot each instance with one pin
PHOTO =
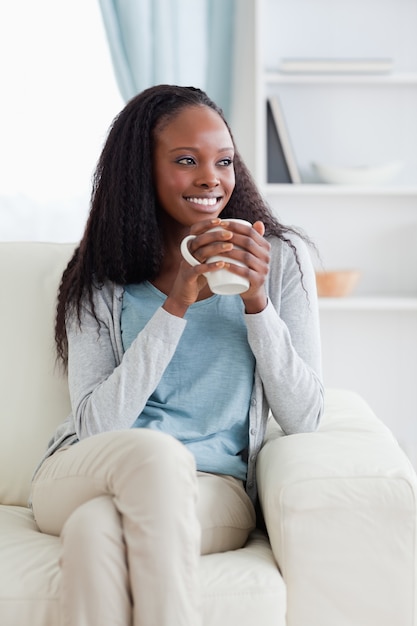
(109, 387)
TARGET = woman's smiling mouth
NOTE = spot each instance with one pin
(203, 201)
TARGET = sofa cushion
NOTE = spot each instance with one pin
(239, 587)
(29, 576)
(33, 395)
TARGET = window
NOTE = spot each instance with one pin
(59, 96)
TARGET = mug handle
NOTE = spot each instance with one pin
(186, 253)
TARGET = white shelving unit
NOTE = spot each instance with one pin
(375, 303)
(369, 339)
(305, 189)
(402, 78)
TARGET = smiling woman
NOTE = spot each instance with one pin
(58, 93)
(156, 463)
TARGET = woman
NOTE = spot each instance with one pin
(170, 384)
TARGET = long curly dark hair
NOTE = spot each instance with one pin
(122, 241)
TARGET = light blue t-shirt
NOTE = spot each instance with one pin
(203, 396)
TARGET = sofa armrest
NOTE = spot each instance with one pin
(340, 509)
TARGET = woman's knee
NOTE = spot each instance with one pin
(93, 522)
(143, 467)
(142, 448)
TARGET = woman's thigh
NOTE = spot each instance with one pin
(225, 512)
(104, 464)
(128, 465)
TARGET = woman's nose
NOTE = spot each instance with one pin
(207, 179)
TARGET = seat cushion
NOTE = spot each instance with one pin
(240, 588)
(29, 571)
(243, 587)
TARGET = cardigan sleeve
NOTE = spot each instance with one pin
(285, 339)
(107, 393)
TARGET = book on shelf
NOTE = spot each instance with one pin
(281, 164)
(336, 66)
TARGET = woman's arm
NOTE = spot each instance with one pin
(107, 391)
(285, 339)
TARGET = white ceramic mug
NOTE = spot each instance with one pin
(221, 281)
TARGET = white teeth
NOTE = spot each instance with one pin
(203, 201)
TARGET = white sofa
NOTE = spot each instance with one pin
(339, 504)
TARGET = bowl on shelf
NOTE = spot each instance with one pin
(336, 283)
(357, 175)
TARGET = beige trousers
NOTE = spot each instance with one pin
(134, 516)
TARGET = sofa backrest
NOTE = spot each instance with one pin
(33, 391)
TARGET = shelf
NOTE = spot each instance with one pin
(403, 78)
(329, 190)
(356, 118)
(369, 303)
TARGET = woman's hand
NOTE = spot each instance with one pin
(252, 250)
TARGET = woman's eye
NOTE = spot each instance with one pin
(186, 161)
(226, 162)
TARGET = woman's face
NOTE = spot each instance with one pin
(193, 165)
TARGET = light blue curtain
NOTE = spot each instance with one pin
(184, 42)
